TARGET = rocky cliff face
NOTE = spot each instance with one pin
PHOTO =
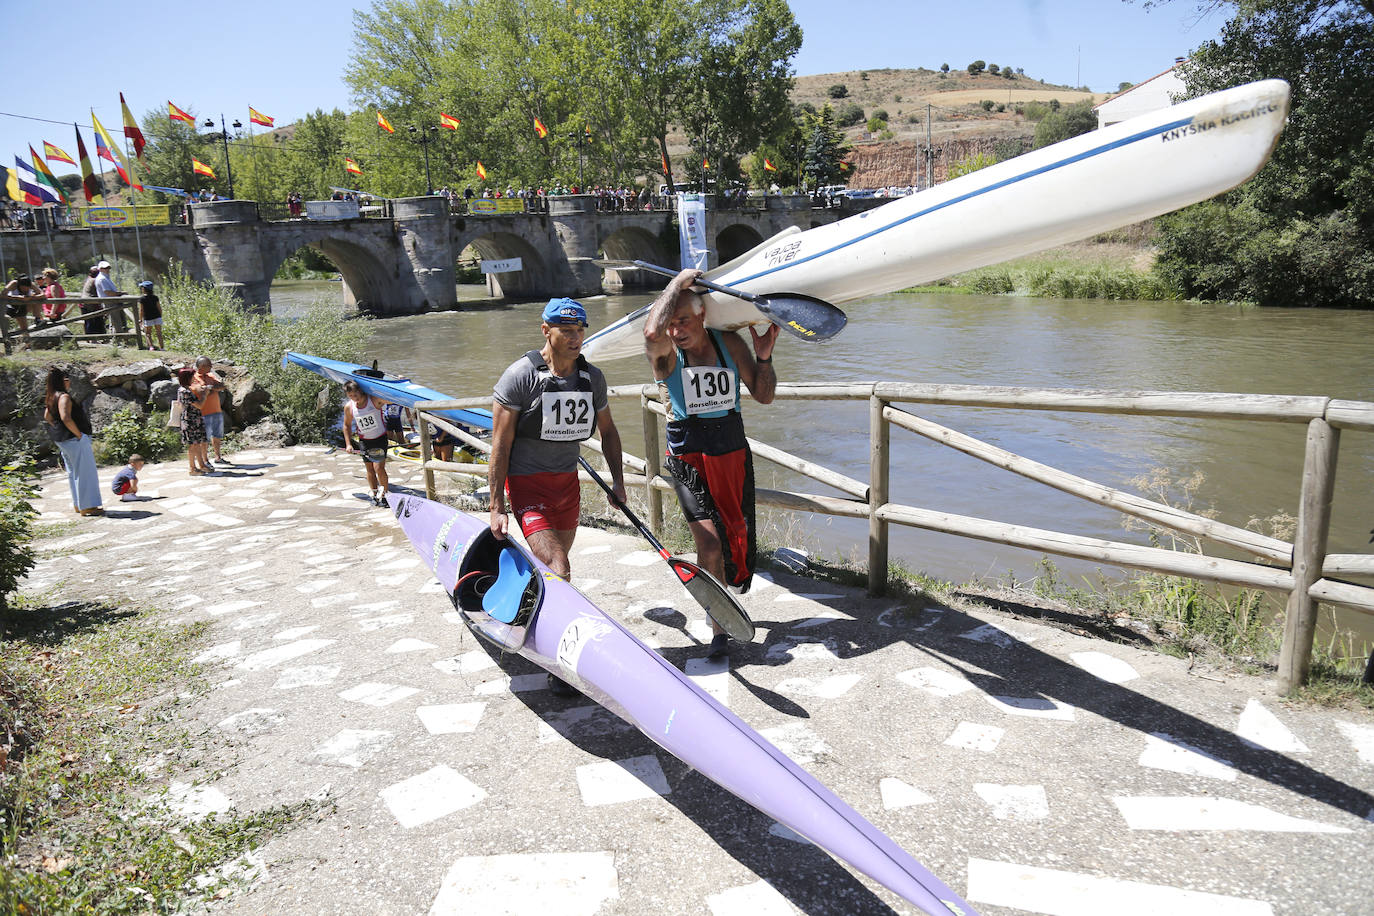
(899, 164)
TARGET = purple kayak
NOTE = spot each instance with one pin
(510, 599)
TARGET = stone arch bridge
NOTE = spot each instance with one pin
(406, 263)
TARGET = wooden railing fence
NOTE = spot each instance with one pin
(1303, 570)
(109, 305)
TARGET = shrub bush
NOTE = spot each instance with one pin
(838, 91)
(986, 104)
(17, 492)
(128, 433)
(849, 114)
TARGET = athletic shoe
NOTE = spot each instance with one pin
(720, 646)
(561, 688)
(381, 501)
(376, 500)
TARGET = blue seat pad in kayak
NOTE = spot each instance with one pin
(502, 600)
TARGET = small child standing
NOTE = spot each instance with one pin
(125, 483)
(152, 314)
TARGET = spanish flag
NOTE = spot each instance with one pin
(45, 176)
(176, 114)
(768, 166)
(540, 129)
(89, 186)
(106, 149)
(131, 129)
(351, 166)
(704, 163)
(258, 117)
(448, 121)
(201, 168)
(663, 160)
(481, 172)
(56, 154)
(384, 124)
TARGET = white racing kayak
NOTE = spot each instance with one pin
(1091, 183)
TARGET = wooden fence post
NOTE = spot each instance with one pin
(878, 438)
(652, 465)
(5, 334)
(426, 453)
(1309, 550)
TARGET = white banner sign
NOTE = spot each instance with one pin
(331, 209)
(505, 265)
(691, 215)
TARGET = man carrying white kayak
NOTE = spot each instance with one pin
(699, 372)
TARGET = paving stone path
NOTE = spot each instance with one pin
(1034, 770)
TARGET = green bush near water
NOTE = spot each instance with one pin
(201, 318)
(128, 433)
(1068, 282)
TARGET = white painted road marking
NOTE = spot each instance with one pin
(433, 794)
(1164, 752)
(1260, 727)
(1202, 813)
(615, 781)
(1014, 803)
(1105, 667)
(975, 737)
(897, 794)
(569, 884)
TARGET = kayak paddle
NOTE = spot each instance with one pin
(719, 604)
(802, 316)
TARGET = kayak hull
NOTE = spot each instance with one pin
(1093, 183)
(567, 635)
(389, 388)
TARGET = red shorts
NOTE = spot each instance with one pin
(545, 501)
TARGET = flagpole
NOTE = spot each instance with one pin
(133, 166)
(28, 257)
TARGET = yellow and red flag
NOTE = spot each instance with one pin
(56, 154)
(89, 186)
(45, 176)
(351, 166)
(258, 117)
(704, 163)
(176, 114)
(768, 166)
(481, 172)
(106, 149)
(384, 124)
(201, 168)
(448, 121)
(663, 160)
(540, 129)
(131, 129)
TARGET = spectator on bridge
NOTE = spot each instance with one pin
(92, 325)
(293, 204)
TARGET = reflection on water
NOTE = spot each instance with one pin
(1250, 469)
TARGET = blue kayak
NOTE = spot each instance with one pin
(388, 387)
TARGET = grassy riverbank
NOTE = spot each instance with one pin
(95, 758)
(1115, 265)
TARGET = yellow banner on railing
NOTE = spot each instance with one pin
(496, 205)
(121, 217)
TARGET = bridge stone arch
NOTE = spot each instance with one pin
(368, 283)
(632, 243)
(531, 281)
(734, 240)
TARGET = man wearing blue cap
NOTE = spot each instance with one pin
(545, 404)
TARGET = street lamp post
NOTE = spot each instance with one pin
(425, 136)
(580, 140)
(224, 138)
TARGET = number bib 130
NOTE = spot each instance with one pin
(707, 389)
(567, 416)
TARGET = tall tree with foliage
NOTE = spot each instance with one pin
(1301, 233)
(823, 162)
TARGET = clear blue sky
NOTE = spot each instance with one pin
(286, 57)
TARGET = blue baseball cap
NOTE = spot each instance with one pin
(565, 311)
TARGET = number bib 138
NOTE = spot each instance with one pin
(567, 416)
(707, 389)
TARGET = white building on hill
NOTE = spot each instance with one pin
(1155, 93)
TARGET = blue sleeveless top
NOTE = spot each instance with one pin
(682, 382)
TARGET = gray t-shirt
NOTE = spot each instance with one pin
(520, 390)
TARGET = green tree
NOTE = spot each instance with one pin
(944, 68)
(976, 67)
(1063, 123)
(823, 162)
(171, 147)
(850, 113)
(1301, 232)
(838, 91)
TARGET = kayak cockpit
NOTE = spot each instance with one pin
(499, 590)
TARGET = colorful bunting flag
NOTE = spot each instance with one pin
(540, 129)
(131, 129)
(23, 190)
(481, 172)
(768, 166)
(105, 148)
(176, 114)
(56, 154)
(89, 186)
(448, 121)
(384, 124)
(201, 168)
(45, 176)
(351, 166)
(258, 117)
(11, 182)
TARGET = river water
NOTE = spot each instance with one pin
(1249, 469)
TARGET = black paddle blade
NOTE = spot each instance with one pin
(803, 316)
(719, 604)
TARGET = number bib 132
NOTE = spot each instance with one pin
(567, 416)
(707, 389)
